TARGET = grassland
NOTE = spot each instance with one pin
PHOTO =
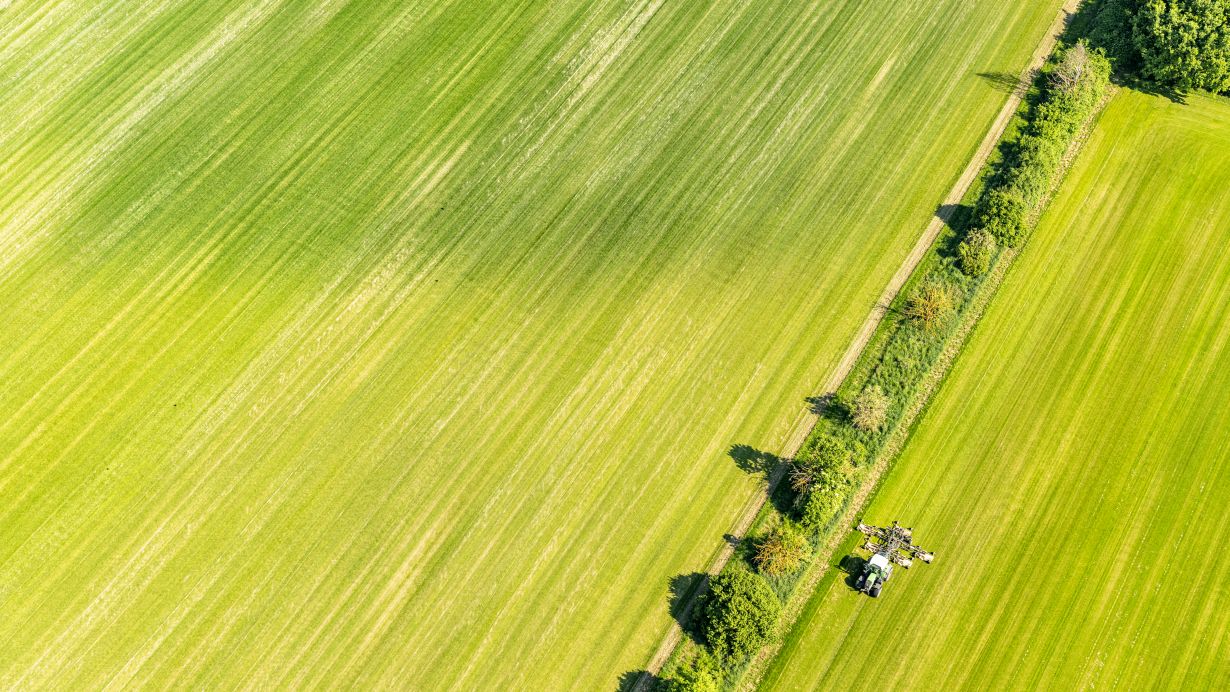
(1072, 477)
(401, 343)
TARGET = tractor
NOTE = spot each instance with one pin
(889, 546)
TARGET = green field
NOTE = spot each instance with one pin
(401, 344)
(1073, 477)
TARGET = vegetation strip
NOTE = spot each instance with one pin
(855, 350)
(1076, 459)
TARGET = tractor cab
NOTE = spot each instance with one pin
(876, 571)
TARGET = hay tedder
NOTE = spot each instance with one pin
(889, 546)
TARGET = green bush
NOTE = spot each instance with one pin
(930, 304)
(822, 480)
(822, 502)
(700, 675)
(976, 252)
(1077, 81)
(870, 408)
(783, 551)
(821, 453)
(741, 613)
(1001, 212)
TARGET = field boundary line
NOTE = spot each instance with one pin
(808, 418)
(928, 387)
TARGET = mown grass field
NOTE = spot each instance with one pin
(1073, 477)
(401, 344)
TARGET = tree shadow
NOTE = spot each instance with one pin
(1004, 82)
(958, 218)
(638, 680)
(852, 565)
(753, 461)
(682, 601)
(818, 404)
(1175, 95)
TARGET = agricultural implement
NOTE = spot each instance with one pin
(889, 546)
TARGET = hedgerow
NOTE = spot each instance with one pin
(1028, 172)
(744, 603)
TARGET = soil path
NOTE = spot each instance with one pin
(807, 419)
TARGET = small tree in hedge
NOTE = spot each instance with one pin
(1001, 212)
(1071, 67)
(827, 475)
(741, 612)
(700, 675)
(823, 501)
(976, 252)
(783, 551)
(870, 409)
(929, 304)
(826, 451)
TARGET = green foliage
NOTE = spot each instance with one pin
(783, 551)
(821, 453)
(930, 304)
(976, 252)
(870, 408)
(741, 613)
(1077, 80)
(698, 675)
(1002, 213)
(823, 500)
(822, 475)
(1111, 33)
(1184, 43)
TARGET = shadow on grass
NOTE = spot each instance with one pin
(631, 680)
(852, 565)
(753, 461)
(1004, 82)
(682, 589)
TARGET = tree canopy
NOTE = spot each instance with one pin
(1185, 43)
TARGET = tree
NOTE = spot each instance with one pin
(1001, 212)
(1072, 65)
(1184, 43)
(741, 613)
(783, 551)
(870, 408)
(822, 501)
(976, 252)
(823, 452)
(929, 304)
(822, 476)
(698, 676)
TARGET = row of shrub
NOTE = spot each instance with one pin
(741, 610)
(1074, 86)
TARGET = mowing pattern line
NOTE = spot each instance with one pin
(397, 343)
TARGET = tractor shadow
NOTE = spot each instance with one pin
(852, 565)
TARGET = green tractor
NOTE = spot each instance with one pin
(889, 546)
(876, 571)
